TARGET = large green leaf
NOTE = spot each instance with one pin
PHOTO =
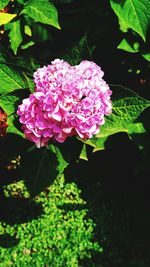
(133, 14)
(40, 167)
(42, 11)
(3, 3)
(10, 79)
(127, 106)
(15, 35)
(6, 17)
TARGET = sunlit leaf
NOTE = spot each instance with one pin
(27, 45)
(83, 154)
(128, 46)
(6, 17)
(133, 14)
(10, 79)
(27, 30)
(127, 106)
(15, 35)
(42, 11)
(3, 3)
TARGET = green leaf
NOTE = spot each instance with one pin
(15, 35)
(42, 11)
(83, 154)
(29, 83)
(10, 79)
(21, 1)
(40, 33)
(136, 128)
(6, 17)
(62, 164)
(127, 106)
(27, 45)
(133, 14)
(40, 167)
(11, 126)
(96, 143)
(8, 103)
(3, 3)
(27, 30)
(128, 46)
(146, 56)
(78, 52)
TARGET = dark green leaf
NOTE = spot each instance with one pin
(78, 52)
(40, 33)
(40, 167)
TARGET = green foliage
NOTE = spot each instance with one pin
(42, 11)
(15, 30)
(6, 17)
(133, 15)
(130, 14)
(44, 222)
(61, 235)
(27, 14)
(127, 106)
(126, 45)
(10, 79)
(3, 3)
(8, 103)
(78, 52)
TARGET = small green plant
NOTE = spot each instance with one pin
(60, 236)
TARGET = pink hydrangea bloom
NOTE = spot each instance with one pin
(68, 100)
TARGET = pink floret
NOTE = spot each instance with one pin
(68, 100)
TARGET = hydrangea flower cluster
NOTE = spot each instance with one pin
(68, 100)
